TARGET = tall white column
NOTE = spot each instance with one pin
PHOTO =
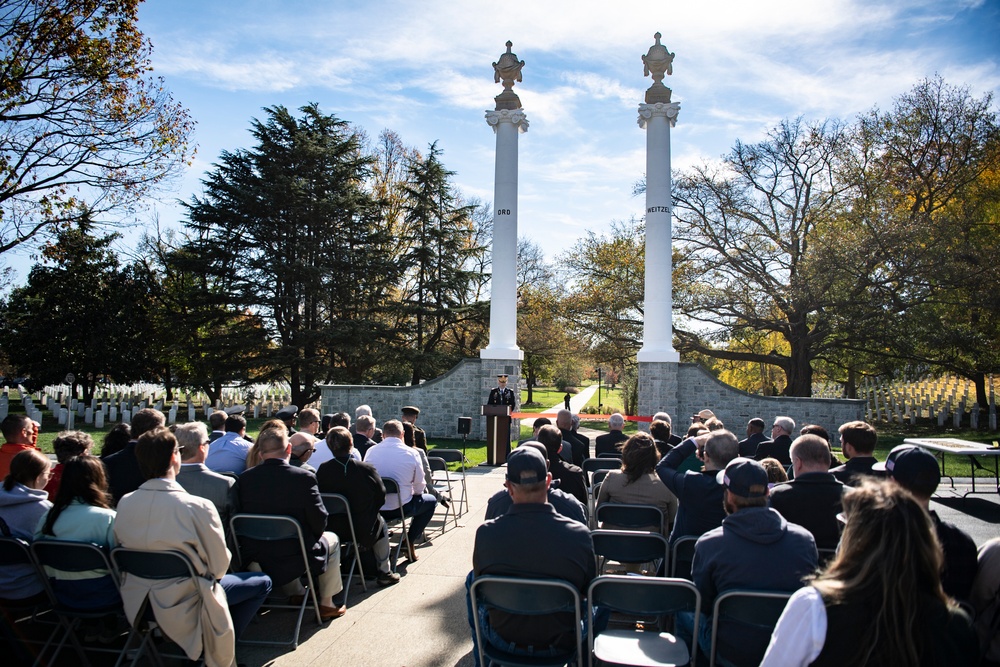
(507, 121)
(503, 287)
(657, 330)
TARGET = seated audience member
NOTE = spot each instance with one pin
(917, 471)
(776, 473)
(229, 453)
(124, 474)
(409, 415)
(81, 512)
(364, 427)
(702, 416)
(366, 410)
(816, 429)
(564, 503)
(538, 423)
(879, 602)
(303, 447)
(755, 547)
(572, 479)
(660, 430)
(610, 443)
(116, 439)
(277, 488)
(857, 442)
(674, 439)
(308, 438)
(394, 459)
(408, 438)
(579, 445)
(779, 444)
(253, 456)
(217, 420)
(532, 541)
(161, 516)
(22, 504)
(812, 498)
(985, 600)
(360, 484)
(66, 445)
(755, 436)
(20, 433)
(699, 494)
(195, 476)
(637, 484)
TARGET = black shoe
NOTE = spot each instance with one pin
(388, 578)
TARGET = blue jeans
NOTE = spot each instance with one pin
(419, 512)
(245, 593)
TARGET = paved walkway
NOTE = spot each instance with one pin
(576, 403)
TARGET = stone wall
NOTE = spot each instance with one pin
(460, 392)
(683, 389)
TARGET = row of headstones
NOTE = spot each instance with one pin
(230, 396)
(949, 388)
(885, 406)
(98, 413)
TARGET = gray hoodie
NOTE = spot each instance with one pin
(21, 508)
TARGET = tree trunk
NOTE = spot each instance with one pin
(798, 370)
(851, 385)
(982, 398)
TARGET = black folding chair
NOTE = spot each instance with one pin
(16, 613)
(755, 613)
(641, 597)
(528, 597)
(626, 546)
(442, 482)
(273, 528)
(626, 516)
(337, 505)
(73, 557)
(156, 565)
(392, 489)
(682, 556)
(454, 456)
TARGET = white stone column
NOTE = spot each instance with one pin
(507, 124)
(657, 332)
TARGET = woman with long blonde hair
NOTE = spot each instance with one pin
(880, 601)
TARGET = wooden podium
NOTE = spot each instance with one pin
(497, 433)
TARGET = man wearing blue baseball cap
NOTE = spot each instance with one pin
(532, 541)
(755, 547)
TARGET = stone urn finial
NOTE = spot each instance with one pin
(507, 69)
(657, 61)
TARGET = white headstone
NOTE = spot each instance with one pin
(70, 420)
(99, 419)
(256, 411)
(172, 416)
(191, 413)
(88, 416)
(126, 415)
(63, 416)
(113, 414)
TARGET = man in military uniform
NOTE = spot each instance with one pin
(410, 414)
(501, 394)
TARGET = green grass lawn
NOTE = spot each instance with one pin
(610, 398)
(543, 398)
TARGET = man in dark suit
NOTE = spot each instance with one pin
(755, 436)
(813, 498)
(217, 420)
(674, 439)
(571, 478)
(361, 485)
(580, 445)
(779, 444)
(610, 442)
(124, 475)
(501, 394)
(364, 428)
(196, 478)
(275, 487)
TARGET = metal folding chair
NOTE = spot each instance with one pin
(591, 465)
(72, 557)
(454, 456)
(641, 597)
(756, 613)
(682, 556)
(626, 546)
(157, 565)
(392, 489)
(528, 597)
(272, 528)
(337, 505)
(443, 484)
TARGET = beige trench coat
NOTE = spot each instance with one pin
(161, 516)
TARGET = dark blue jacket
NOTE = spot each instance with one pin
(699, 496)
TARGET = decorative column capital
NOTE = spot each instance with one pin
(669, 110)
(514, 116)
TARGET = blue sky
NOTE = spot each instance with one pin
(423, 69)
